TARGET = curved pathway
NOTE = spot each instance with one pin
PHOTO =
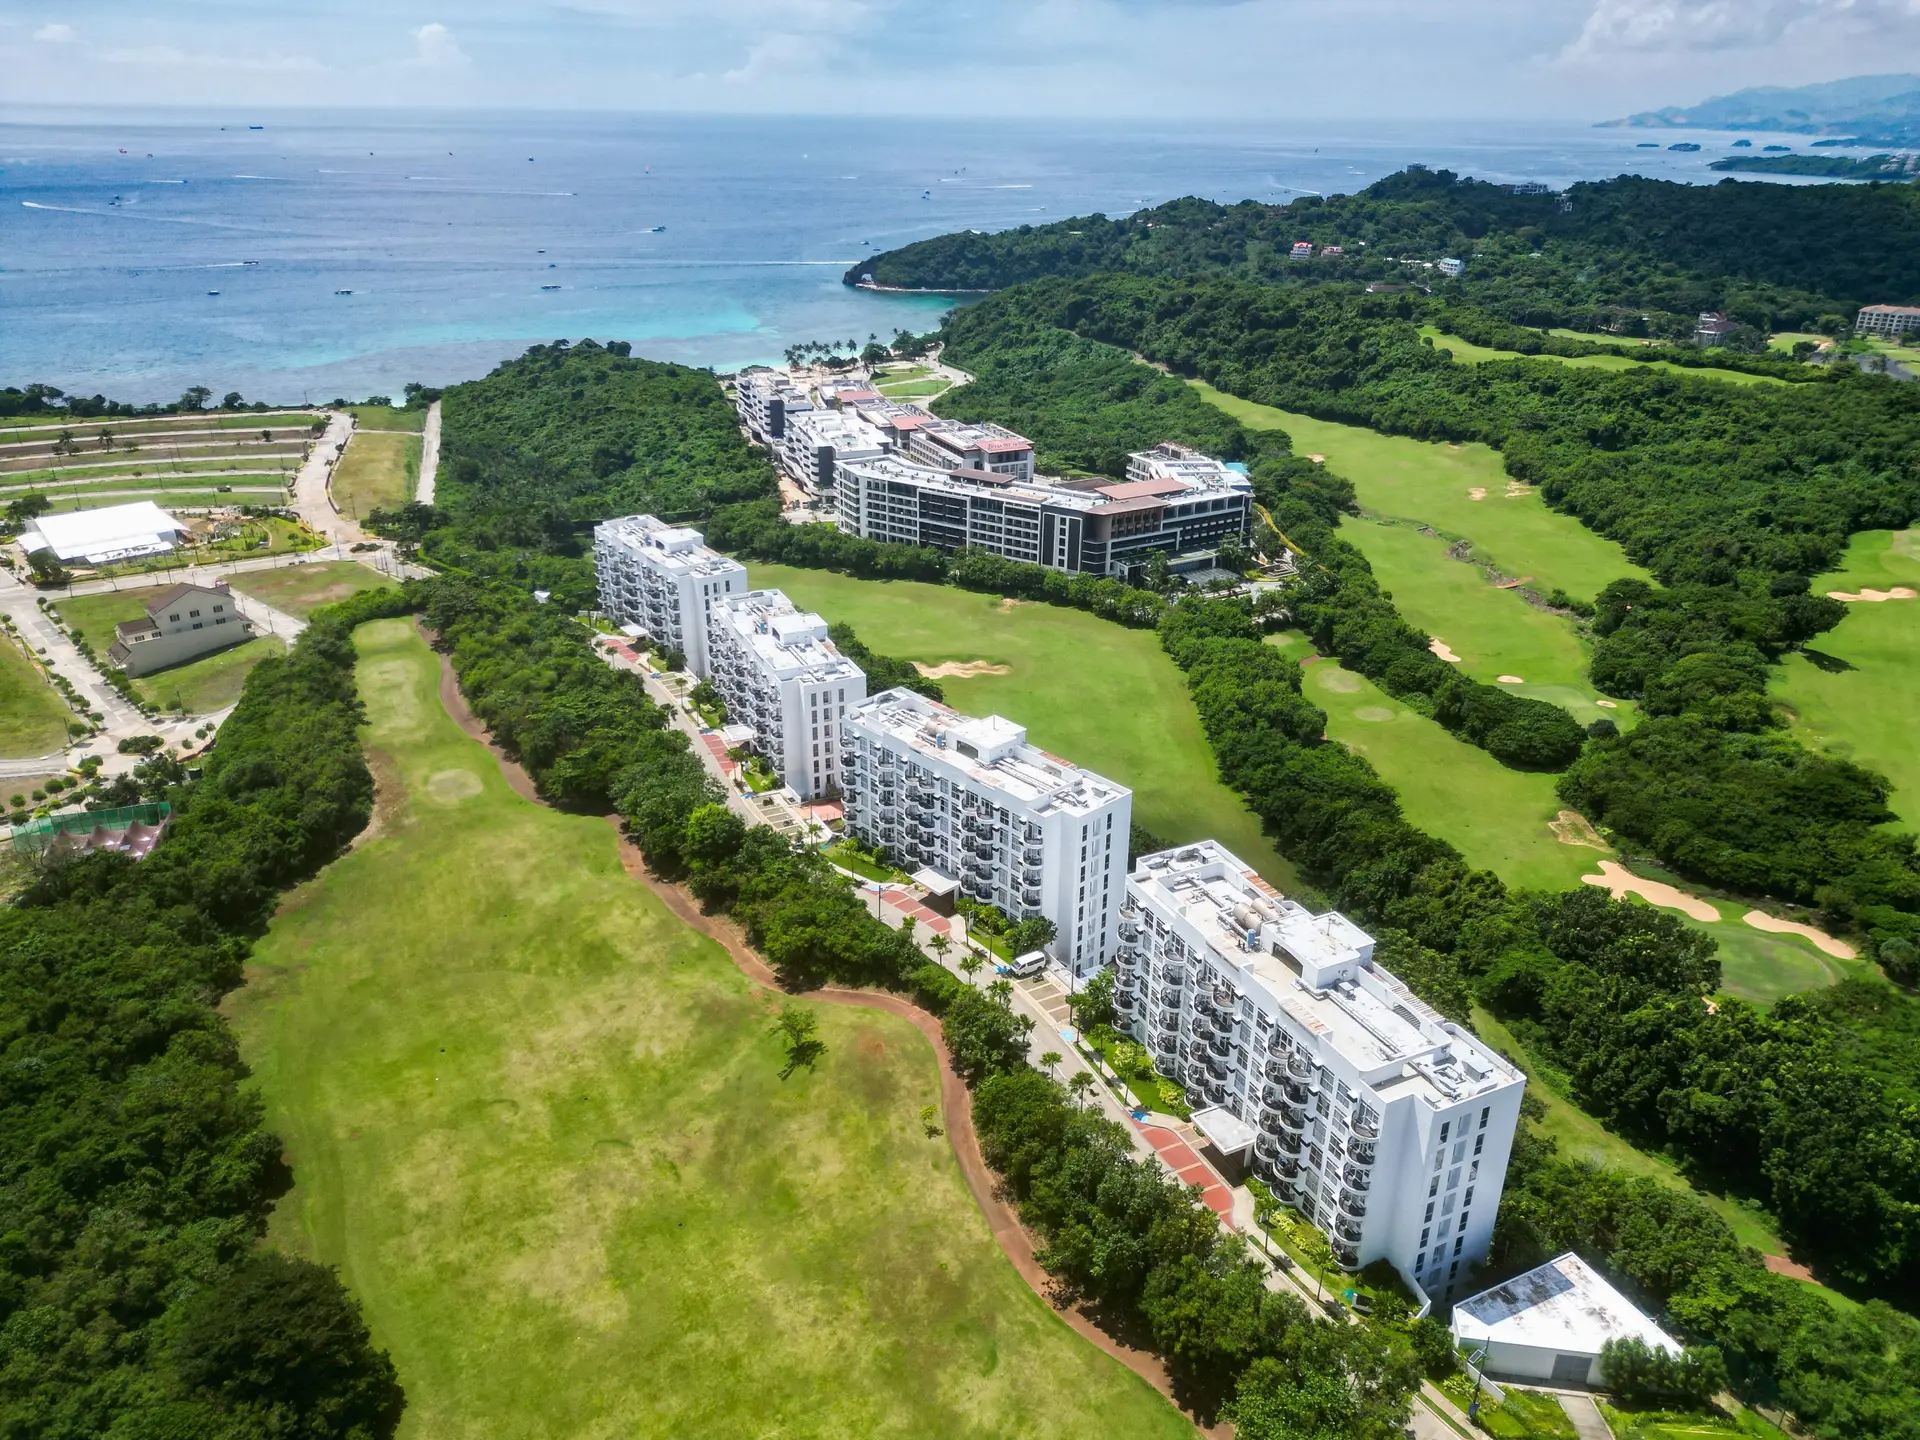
(956, 1104)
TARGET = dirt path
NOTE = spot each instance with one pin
(956, 1105)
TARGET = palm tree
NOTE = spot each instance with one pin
(970, 966)
(1079, 1085)
(939, 945)
(907, 926)
(1002, 993)
(1050, 1059)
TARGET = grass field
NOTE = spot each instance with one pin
(32, 427)
(1866, 711)
(387, 417)
(1435, 484)
(538, 1125)
(1498, 818)
(299, 590)
(149, 469)
(1105, 697)
(914, 389)
(33, 717)
(200, 686)
(175, 500)
(1467, 353)
(377, 472)
(1787, 339)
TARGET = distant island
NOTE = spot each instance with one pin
(1868, 109)
(1837, 167)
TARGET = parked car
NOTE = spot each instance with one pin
(1029, 964)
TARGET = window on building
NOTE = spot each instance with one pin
(1444, 1128)
(1429, 1215)
(1485, 1111)
(1456, 1247)
(1479, 1143)
(173, 617)
(1433, 1187)
(193, 614)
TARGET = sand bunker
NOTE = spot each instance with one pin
(1509, 679)
(1516, 490)
(1874, 597)
(1318, 459)
(1608, 704)
(1444, 651)
(1512, 584)
(961, 669)
(1617, 880)
(1478, 492)
(1570, 827)
(1774, 925)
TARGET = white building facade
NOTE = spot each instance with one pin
(1016, 827)
(817, 441)
(779, 673)
(664, 579)
(1386, 1125)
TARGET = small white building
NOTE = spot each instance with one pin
(100, 537)
(664, 579)
(1551, 1324)
(1381, 1121)
(1016, 827)
(182, 623)
(1452, 265)
(778, 672)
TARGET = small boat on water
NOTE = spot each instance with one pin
(657, 230)
(549, 287)
(343, 292)
(213, 292)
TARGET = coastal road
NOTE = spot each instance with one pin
(311, 498)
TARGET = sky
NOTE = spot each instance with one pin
(1559, 59)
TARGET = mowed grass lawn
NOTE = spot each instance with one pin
(299, 590)
(1869, 713)
(1494, 632)
(377, 472)
(538, 1125)
(389, 417)
(198, 687)
(1500, 819)
(1467, 353)
(33, 717)
(1094, 692)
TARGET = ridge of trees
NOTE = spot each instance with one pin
(1646, 255)
(135, 1173)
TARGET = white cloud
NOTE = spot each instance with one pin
(55, 33)
(436, 49)
(1694, 26)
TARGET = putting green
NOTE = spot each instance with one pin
(1101, 695)
(538, 1125)
(1857, 696)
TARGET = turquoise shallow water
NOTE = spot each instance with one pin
(463, 238)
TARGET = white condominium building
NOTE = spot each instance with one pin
(1386, 1125)
(1018, 828)
(1887, 320)
(817, 441)
(665, 580)
(1189, 468)
(957, 445)
(780, 674)
(766, 400)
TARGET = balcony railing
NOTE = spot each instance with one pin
(1346, 1254)
(1345, 1229)
(1300, 1066)
(1353, 1202)
(1366, 1125)
(1355, 1178)
(1361, 1152)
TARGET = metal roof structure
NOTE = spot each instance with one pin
(114, 532)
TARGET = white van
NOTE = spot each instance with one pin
(1029, 964)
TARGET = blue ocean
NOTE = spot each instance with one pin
(303, 256)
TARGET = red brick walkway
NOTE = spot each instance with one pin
(1185, 1162)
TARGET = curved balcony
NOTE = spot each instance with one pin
(1129, 929)
(1344, 1229)
(1366, 1125)
(1299, 1066)
(1195, 1050)
(1168, 1020)
(1266, 1147)
(1270, 1118)
(1275, 1069)
(1223, 1046)
(1125, 1001)
(1174, 974)
(1356, 1179)
(1029, 897)
(1165, 1040)
(1346, 1254)
(1361, 1152)
(1216, 1091)
(1203, 1028)
(1353, 1203)
(1297, 1093)
(1225, 998)
(1217, 1066)
(1271, 1094)
(1289, 1145)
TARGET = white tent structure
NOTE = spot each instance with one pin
(115, 532)
(1551, 1324)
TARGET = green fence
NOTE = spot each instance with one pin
(36, 834)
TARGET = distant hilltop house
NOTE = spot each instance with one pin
(1303, 250)
(181, 624)
(1712, 328)
(1452, 265)
(1332, 252)
(1887, 320)
(99, 537)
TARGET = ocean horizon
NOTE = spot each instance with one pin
(300, 256)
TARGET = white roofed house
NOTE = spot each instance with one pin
(100, 537)
(1551, 1324)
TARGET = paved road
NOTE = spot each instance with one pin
(429, 455)
(311, 499)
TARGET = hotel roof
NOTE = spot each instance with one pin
(1563, 1305)
(789, 643)
(673, 547)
